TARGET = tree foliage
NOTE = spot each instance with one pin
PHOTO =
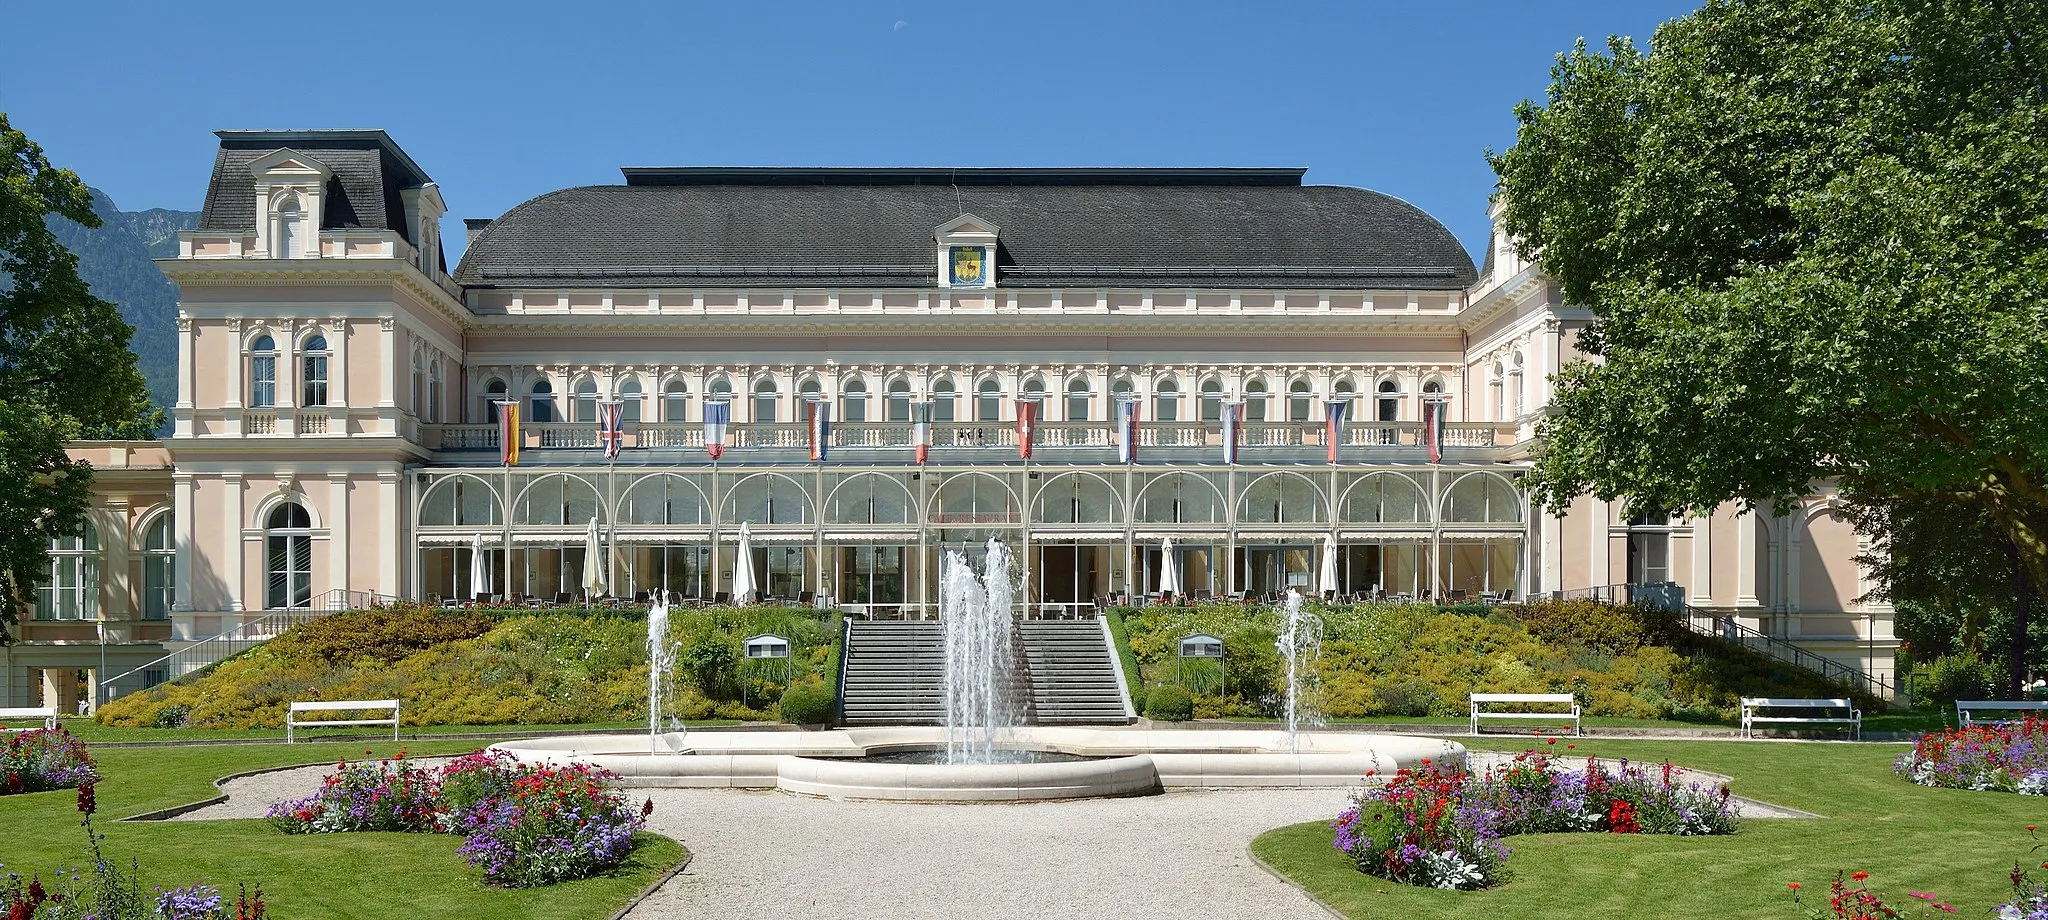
(1814, 235)
(65, 368)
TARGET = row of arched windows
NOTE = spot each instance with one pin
(988, 402)
(70, 588)
(313, 370)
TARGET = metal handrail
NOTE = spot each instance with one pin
(248, 634)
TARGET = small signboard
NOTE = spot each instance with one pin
(1201, 645)
(767, 646)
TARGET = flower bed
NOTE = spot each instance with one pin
(1439, 826)
(2000, 756)
(525, 825)
(44, 759)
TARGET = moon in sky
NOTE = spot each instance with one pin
(899, 26)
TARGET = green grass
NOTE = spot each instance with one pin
(1955, 843)
(1908, 721)
(327, 875)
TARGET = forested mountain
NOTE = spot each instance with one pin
(115, 260)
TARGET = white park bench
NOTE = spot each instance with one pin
(291, 720)
(1850, 718)
(46, 713)
(1965, 708)
(1571, 710)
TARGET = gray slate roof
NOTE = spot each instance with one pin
(1058, 228)
(369, 170)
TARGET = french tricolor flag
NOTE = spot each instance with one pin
(717, 415)
(819, 415)
(1127, 423)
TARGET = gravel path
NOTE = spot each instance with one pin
(769, 855)
(251, 796)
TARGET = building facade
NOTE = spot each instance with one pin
(337, 434)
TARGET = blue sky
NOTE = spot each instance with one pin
(504, 101)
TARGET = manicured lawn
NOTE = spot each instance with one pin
(329, 875)
(92, 732)
(1912, 721)
(1955, 843)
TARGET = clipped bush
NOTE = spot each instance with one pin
(807, 703)
(381, 634)
(1958, 677)
(1169, 704)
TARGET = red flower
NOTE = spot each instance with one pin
(86, 803)
(1859, 875)
(1792, 885)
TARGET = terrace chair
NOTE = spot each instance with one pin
(721, 598)
(564, 598)
(804, 599)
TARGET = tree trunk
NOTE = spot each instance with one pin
(2023, 600)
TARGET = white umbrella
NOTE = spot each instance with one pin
(743, 568)
(1326, 580)
(593, 562)
(1169, 569)
(479, 568)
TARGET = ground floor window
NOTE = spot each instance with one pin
(1269, 571)
(446, 572)
(71, 588)
(1193, 562)
(547, 572)
(870, 574)
(643, 570)
(1468, 568)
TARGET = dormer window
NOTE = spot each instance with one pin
(966, 252)
(290, 228)
(290, 187)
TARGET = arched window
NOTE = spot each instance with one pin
(1390, 401)
(630, 401)
(675, 401)
(1500, 392)
(586, 400)
(72, 589)
(721, 390)
(1282, 498)
(288, 557)
(494, 393)
(263, 371)
(159, 569)
(1385, 498)
(1212, 400)
(1077, 399)
(1255, 401)
(807, 392)
(313, 371)
(764, 401)
(663, 499)
(1298, 407)
(942, 401)
(543, 401)
(1034, 391)
(1516, 387)
(1483, 498)
(1166, 401)
(1121, 390)
(291, 227)
(433, 389)
(989, 402)
(419, 384)
(1342, 391)
(853, 401)
(460, 501)
(899, 400)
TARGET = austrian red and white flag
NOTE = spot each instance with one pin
(921, 430)
(717, 415)
(1027, 426)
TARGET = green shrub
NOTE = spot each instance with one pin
(709, 658)
(173, 716)
(1169, 704)
(1958, 677)
(381, 634)
(807, 703)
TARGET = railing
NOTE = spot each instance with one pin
(247, 634)
(312, 422)
(989, 435)
(260, 423)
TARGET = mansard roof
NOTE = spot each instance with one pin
(729, 227)
(369, 172)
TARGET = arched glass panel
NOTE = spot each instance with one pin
(288, 557)
(460, 501)
(1282, 498)
(263, 372)
(765, 401)
(1389, 401)
(1212, 400)
(899, 400)
(1166, 402)
(630, 400)
(1077, 400)
(1180, 498)
(71, 586)
(543, 402)
(1385, 498)
(664, 499)
(868, 499)
(159, 569)
(313, 371)
(853, 401)
(943, 401)
(1483, 498)
(586, 400)
(989, 402)
(1298, 401)
(558, 501)
(974, 499)
(1078, 498)
(767, 499)
(494, 392)
(675, 402)
(1255, 401)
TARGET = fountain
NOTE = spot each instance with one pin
(660, 660)
(975, 612)
(1301, 644)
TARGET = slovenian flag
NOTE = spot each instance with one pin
(819, 414)
(611, 427)
(1433, 429)
(1127, 422)
(921, 430)
(1333, 424)
(1027, 426)
(508, 432)
(717, 415)
(1231, 411)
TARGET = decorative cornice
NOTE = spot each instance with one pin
(285, 272)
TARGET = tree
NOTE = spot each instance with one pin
(1814, 237)
(65, 369)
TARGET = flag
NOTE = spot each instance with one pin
(921, 430)
(819, 414)
(1027, 426)
(1433, 428)
(611, 427)
(1127, 423)
(508, 432)
(1231, 411)
(717, 414)
(1333, 425)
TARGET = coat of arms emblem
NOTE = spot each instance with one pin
(969, 266)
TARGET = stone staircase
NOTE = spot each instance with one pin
(1073, 678)
(895, 674)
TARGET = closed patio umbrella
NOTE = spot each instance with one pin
(1169, 569)
(1326, 580)
(593, 562)
(743, 568)
(479, 568)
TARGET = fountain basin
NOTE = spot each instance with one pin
(1121, 761)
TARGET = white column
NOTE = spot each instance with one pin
(182, 413)
(237, 547)
(236, 361)
(1552, 535)
(183, 521)
(337, 529)
(1702, 588)
(388, 341)
(337, 362)
(1597, 573)
(393, 535)
(1746, 524)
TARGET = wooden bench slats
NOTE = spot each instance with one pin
(291, 723)
(1751, 717)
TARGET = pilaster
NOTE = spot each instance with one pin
(238, 545)
(183, 520)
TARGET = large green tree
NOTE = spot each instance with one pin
(1814, 234)
(65, 369)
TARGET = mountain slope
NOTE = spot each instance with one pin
(115, 260)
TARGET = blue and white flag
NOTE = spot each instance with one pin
(819, 414)
(717, 415)
(1127, 424)
(1231, 413)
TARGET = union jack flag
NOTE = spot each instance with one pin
(611, 427)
